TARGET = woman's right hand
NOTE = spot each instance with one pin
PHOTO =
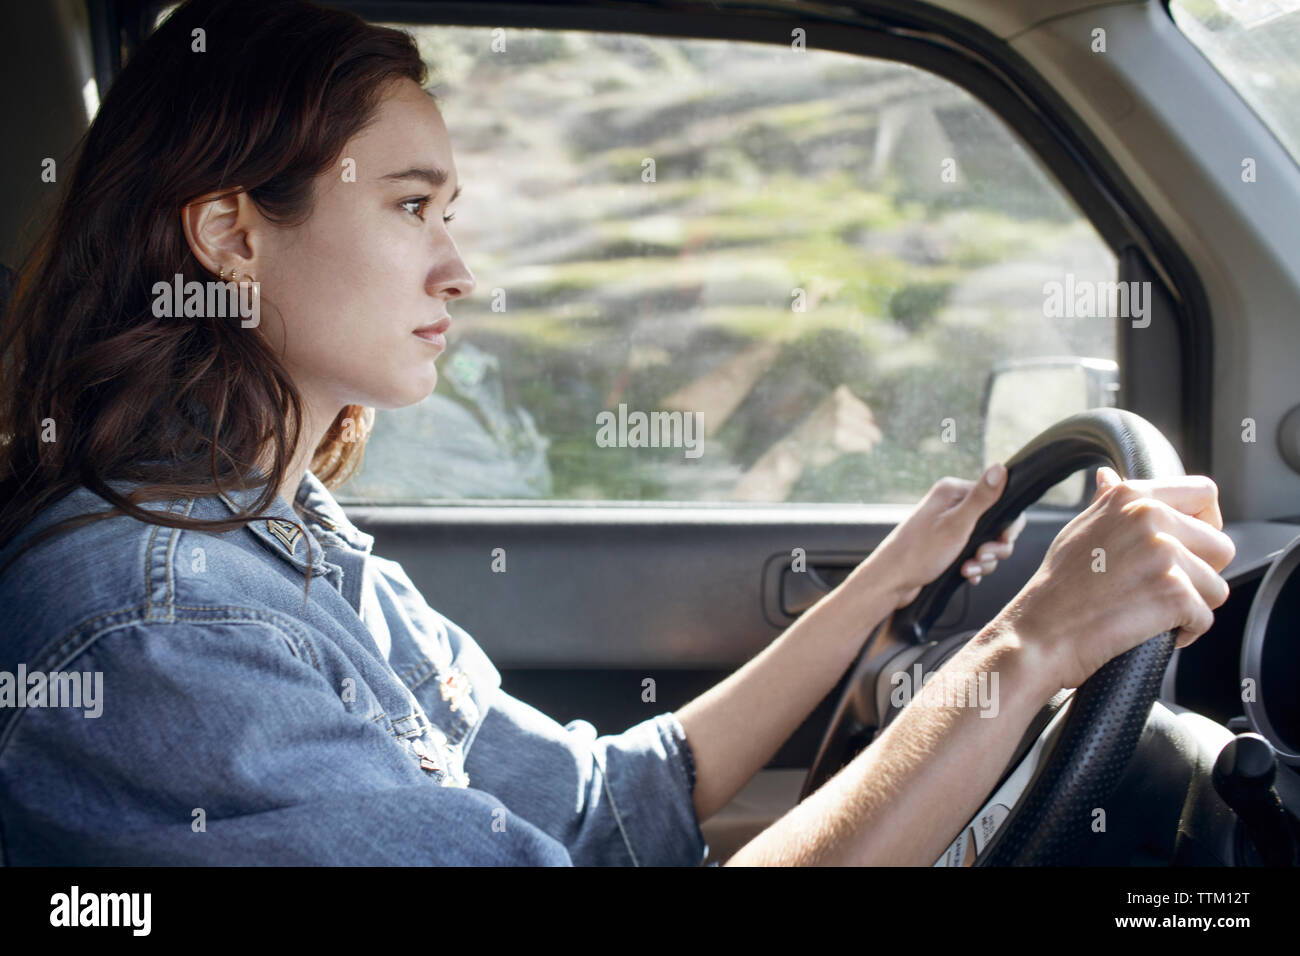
(1144, 557)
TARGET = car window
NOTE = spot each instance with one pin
(726, 271)
(1255, 44)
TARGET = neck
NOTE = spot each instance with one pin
(315, 424)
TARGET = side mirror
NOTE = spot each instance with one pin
(1024, 397)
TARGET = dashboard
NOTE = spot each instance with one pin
(1244, 673)
(1270, 657)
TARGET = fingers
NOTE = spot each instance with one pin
(1107, 478)
(976, 495)
(994, 551)
(985, 560)
(987, 556)
(946, 494)
(1196, 590)
(987, 488)
(1194, 495)
(953, 491)
(1208, 543)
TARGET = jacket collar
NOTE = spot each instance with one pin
(326, 517)
(281, 530)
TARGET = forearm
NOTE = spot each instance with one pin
(736, 727)
(903, 799)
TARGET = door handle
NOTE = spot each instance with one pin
(800, 590)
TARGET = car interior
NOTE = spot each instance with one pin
(855, 237)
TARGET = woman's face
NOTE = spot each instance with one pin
(343, 294)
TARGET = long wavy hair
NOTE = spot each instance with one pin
(182, 406)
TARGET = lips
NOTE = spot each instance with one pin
(440, 326)
(433, 333)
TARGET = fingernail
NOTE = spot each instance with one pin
(976, 579)
(994, 475)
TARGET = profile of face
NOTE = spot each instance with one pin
(343, 294)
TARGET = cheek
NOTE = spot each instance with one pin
(350, 292)
(336, 297)
(358, 350)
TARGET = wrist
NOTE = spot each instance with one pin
(866, 595)
(879, 576)
(1026, 655)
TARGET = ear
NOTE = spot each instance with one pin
(224, 233)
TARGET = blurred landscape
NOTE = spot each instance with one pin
(832, 254)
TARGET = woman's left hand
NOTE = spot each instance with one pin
(919, 549)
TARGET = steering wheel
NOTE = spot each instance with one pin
(1076, 750)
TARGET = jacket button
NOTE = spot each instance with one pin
(427, 762)
(455, 689)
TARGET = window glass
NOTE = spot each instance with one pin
(727, 272)
(1255, 44)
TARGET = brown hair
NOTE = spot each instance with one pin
(181, 406)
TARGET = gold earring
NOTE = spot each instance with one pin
(234, 277)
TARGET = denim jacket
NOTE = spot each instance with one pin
(237, 726)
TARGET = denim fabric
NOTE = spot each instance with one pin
(240, 726)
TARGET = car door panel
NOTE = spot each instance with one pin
(593, 601)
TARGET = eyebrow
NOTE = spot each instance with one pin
(435, 176)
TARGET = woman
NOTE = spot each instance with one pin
(231, 712)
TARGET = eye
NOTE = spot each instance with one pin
(420, 201)
(423, 201)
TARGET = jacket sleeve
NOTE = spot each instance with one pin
(217, 745)
(624, 799)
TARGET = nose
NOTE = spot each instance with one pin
(455, 279)
(456, 288)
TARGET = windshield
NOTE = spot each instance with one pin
(1255, 44)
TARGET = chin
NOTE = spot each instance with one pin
(390, 386)
(422, 387)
